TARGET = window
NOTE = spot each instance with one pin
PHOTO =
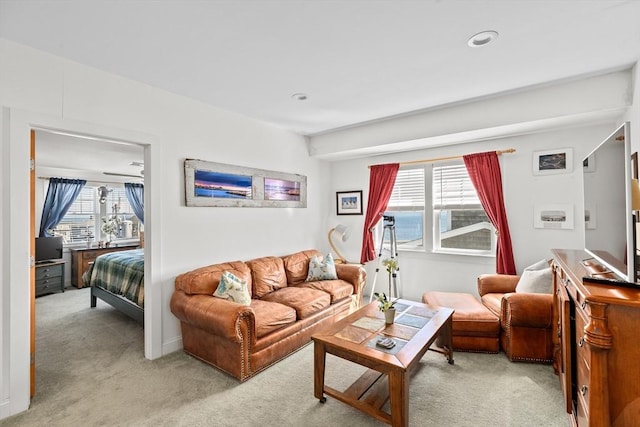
(460, 222)
(83, 220)
(407, 207)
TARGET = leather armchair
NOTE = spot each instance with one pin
(526, 319)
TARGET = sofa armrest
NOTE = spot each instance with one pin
(214, 315)
(497, 283)
(529, 310)
(354, 274)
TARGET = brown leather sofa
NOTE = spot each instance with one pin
(285, 310)
(526, 319)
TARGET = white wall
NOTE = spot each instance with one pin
(424, 271)
(37, 87)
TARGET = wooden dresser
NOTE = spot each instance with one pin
(82, 258)
(597, 344)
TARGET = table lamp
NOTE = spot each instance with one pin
(343, 233)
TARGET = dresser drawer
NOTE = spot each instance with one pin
(45, 286)
(583, 381)
(581, 345)
(48, 271)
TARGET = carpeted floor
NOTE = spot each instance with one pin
(91, 371)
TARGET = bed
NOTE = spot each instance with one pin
(117, 278)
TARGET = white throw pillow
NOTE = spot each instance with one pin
(322, 270)
(540, 265)
(233, 288)
(535, 282)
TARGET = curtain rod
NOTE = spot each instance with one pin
(95, 181)
(440, 159)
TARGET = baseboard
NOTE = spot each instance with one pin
(172, 345)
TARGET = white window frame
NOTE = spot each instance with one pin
(101, 211)
(464, 198)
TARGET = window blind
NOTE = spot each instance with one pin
(408, 191)
(453, 189)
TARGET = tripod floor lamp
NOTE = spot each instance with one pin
(343, 233)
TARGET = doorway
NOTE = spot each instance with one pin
(97, 160)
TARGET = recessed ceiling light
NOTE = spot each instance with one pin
(483, 38)
(300, 96)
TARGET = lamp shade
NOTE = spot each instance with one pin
(343, 232)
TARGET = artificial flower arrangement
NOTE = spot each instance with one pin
(110, 226)
(391, 264)
(384, 303)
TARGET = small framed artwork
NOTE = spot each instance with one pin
(553, 161)
(557, 216)
(349, 202)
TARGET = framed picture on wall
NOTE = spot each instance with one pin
(349, 202)
(553, 161)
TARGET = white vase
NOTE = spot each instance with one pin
(389, 316)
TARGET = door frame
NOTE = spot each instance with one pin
(15, 325)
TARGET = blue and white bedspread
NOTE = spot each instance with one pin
(121, 273)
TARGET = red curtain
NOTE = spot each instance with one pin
(381, 181)
(484, 171)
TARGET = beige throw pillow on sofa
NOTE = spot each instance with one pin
(536, 282)
(233, 288)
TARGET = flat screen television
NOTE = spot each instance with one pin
(48, 248)
(609, 221)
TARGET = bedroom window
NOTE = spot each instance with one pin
(82, 222)
(460, 223)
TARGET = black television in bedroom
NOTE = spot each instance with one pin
(48, 248)
(609, 235)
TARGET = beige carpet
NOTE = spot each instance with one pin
(91, 371)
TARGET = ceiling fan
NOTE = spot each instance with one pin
(129, 175)
(124, 174)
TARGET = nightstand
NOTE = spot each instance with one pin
(50, 277)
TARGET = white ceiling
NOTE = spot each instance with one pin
(357, 60)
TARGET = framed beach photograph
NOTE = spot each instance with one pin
(555, 216)
(349, 202)
(222, 185)
(553, 161)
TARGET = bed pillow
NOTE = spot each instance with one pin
(233, 288)
(322, 270)
(535, 282)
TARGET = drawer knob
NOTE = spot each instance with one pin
(583, 305)
(583, 390)
(581, 341)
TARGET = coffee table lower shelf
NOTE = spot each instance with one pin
(369, 394)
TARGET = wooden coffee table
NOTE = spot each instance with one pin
(354, 338)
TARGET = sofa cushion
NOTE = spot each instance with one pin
(338, 289)
(320, 269)
(270, 316)
(493, 302)
(305, 301)
(296, 266)
(233, 288)
(205, 280)
(536, 282)
(267, 274)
